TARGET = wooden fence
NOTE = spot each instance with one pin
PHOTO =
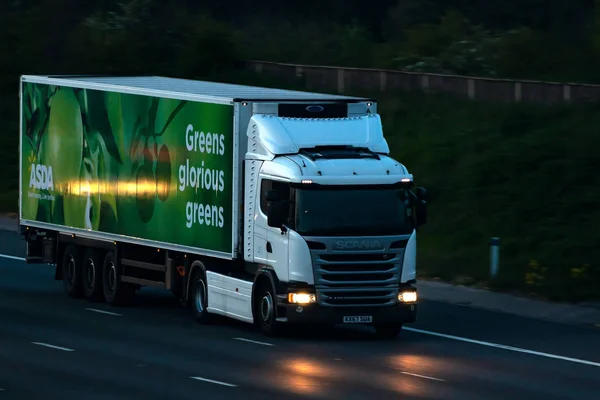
(340, 79)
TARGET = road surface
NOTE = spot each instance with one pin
(52, 347)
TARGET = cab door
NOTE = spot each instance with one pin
(277, 244)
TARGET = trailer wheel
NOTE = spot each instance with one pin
(92, 275)
(388, 331)
(71, 271)
(116, 292)
(198, 297)
(265, 306)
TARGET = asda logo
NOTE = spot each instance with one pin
(41, 177)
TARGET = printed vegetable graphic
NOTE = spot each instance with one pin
(62, 145)
(163, 173)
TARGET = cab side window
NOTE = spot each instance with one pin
(268, 184)
(265, 186)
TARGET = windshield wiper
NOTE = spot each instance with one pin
(368, 230)
(384, 229)
(381, 229)
(318, 231)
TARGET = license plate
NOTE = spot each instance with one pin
(364, 319)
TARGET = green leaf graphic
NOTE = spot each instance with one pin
(98, 121)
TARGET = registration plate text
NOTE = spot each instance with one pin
(362, 319)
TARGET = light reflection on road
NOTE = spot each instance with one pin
(317, 378)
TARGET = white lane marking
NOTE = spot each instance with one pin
(253, 341)
(502, 346)
(103, 312)
(423, 376)
(199, 378)
(12, 257)
(52, 346)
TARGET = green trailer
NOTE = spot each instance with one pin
(152, 169)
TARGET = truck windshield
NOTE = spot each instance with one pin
(353, 212)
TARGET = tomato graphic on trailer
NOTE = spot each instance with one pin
(120, 163)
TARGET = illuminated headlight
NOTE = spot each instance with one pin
(301, 298)
(407, 297)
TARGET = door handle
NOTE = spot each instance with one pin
(269, 247)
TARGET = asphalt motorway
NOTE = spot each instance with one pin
(52, 347)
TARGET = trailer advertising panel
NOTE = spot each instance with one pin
(144, 167)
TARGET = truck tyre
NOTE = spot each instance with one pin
(388, 331)
(71, 271)
(198, 296)
(91, 275)
(265, 306)
(116, 292)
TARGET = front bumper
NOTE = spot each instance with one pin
(315, 314)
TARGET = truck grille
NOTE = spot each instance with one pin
(358, 278)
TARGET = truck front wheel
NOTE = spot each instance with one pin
(265, 307)
(71, 271)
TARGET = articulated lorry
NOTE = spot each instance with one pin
(264, 205)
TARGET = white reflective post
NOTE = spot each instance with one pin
(494, 256)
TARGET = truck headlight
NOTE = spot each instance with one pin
(301, 298)
(409, 296)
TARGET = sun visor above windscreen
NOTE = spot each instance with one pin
(280, 135)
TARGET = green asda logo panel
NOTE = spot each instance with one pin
(147, 167)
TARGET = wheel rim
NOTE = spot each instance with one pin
(112, 276)
(266, 307)
(200, 290)
(71, 269)
(90, 273)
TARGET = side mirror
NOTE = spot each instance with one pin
(421, 193)
(421, 213)
(277, 214)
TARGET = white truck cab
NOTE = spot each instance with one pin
(331, 218)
